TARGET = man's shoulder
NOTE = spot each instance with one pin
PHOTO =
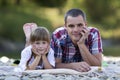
(59, 30)
(94, 32)
(60, 33)
(93, 29)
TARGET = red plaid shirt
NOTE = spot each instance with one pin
(65, 49)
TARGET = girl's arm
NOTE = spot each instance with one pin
(25, 56)
(34, 63)
(46, 63)
(37, 59)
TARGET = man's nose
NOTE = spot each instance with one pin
(76, 28)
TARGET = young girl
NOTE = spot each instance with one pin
(38, 55)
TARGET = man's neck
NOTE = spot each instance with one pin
(75, 43)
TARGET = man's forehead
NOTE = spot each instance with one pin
(74, 20)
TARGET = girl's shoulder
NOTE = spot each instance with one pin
(51, 50)
(27, 49)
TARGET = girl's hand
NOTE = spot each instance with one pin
(35, 50)
(47, 50)
(40, 50)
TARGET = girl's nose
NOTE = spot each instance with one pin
(40, 45)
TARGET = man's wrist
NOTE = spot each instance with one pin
(81, 46)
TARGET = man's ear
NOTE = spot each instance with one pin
(65, 25)
(85, 23)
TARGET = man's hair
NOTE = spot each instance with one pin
(40, 33)
(74, 13)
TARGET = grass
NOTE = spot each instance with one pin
(12, 19)
(115, 33)
(14, 55)
(112, 51)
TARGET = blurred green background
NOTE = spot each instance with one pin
(103, 14)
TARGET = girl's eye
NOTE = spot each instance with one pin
(37, 43)
(44, 42)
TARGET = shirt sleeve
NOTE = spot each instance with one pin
(55, 45)
(96, 43)
(51, 57)
(25, 56)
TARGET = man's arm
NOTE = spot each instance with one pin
(91, 59)
(94, 58)
(78, 66)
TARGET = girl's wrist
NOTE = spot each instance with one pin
(43, 55)
(38, 56)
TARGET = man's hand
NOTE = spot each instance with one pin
(84, 35)
(81, 66)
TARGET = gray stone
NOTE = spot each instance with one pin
(12, 78)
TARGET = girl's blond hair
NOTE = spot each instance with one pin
(40, 33)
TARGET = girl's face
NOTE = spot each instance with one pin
(41, 45)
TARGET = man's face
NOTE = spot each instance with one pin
(74, 25)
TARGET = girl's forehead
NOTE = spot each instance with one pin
(40, 41)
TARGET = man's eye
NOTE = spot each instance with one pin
(79, 25)
(71, 26)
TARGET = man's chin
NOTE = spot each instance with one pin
(75, 41)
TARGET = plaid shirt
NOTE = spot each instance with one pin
(67, 51)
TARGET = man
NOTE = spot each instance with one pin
(76, 46)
